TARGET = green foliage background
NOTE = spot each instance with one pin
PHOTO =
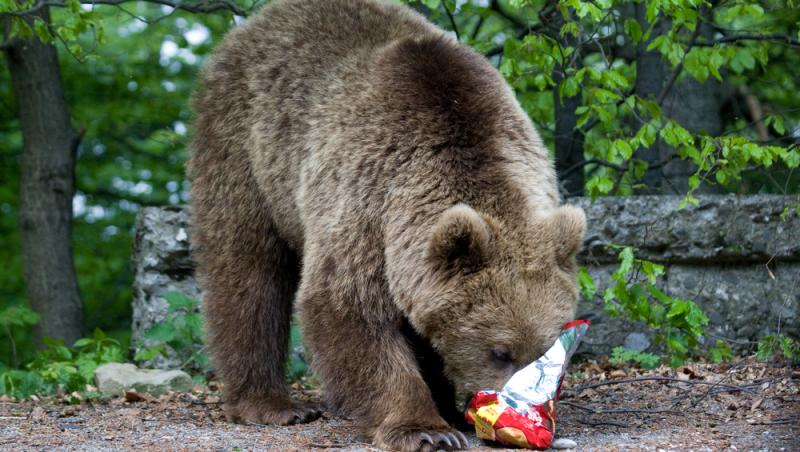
(132, 105)
(129, 72)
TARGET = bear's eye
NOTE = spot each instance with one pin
(501, 356)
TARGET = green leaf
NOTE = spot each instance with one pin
(178, 301)
(626, 260)
(777, 123)
(721, 352)
(742, 60)
(623, 149)
(586, 284)
(633, 30)
(83, 342)
(694, 181)
(18, 315)
(149, 353)
(161, 332)
(99, 335)
(792, 158)
(569, 87)
(652, 270)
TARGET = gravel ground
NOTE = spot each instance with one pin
(741, 406)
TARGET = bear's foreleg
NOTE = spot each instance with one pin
(363, 359)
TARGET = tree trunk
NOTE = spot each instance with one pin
(47, 188)
(569, 145)
(695, 106)
(568, 140)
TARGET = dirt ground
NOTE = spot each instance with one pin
(743, 405)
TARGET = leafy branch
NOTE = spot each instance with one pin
(202, 7)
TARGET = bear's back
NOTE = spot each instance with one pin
(333, 101)
(260, 88)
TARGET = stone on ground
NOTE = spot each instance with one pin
(563, 443)
(112, 379)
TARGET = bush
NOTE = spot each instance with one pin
(62, 369)
(182, 332)
(775, 345)
(679, 323)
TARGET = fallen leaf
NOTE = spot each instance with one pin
(133, 397)
(69, 411)
(38, 414)
(756, 404)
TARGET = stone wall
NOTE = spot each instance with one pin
(161, 264)
(715, 253)
(735, 256)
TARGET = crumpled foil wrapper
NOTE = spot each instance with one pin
(523, 413)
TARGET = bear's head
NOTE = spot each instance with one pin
(498, 294)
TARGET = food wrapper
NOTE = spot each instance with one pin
(523, 413)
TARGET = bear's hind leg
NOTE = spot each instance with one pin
(249, 276)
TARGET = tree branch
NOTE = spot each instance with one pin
(579, 165)
(116, 196)
(679, 68)
(452, 21)
(750, 37)
(201, 7)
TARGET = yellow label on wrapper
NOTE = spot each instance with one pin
(485, 420)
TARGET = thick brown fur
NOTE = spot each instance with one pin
(350, 157)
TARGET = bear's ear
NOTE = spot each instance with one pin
(461, 240)
(568, 224)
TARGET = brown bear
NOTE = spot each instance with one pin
(355, 162)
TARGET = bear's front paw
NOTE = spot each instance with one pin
(415, 438)
(273, 411)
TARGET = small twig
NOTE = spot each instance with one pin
(598, 423)
(168, 419)
(204, 403)
(788, 420)
(641, 379)
(579, 165)
(477, 28)
(621, 410)
(751, 37)
(14, 360)
(334, 445)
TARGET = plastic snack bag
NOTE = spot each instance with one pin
(523, 413)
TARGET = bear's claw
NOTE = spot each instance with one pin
(282, 412)
(415, 440)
